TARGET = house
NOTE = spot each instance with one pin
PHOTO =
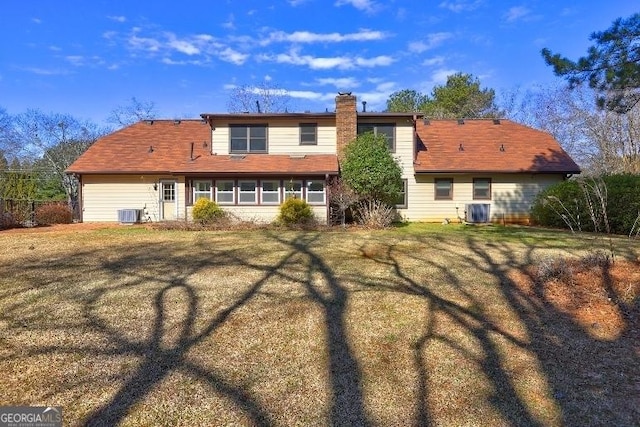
(249, 163)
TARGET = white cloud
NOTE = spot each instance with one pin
(267, 78)
(46, 71)
(438, 77)
(182, 46)
(230, 24)
(436, 60)
(309, 37)
(307, 94)
(36, 20)
(364, 5)
(54, 48)
(326, 63)
(233, 56)
(516, 13)
(340, 82)
(144, 43)
(76, 60)
(432, 41)
(295, 3)
(118, 18)
(458, 6)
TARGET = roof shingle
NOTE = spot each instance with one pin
(482, 145)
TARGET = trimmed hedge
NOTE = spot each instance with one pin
(206, 211)
(623, 203)
(295, 211)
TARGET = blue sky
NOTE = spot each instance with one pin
(87, 57)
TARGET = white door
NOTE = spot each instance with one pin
(168, 200)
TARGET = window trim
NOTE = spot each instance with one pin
(323, 192)
(195, 192)
(475, 197)
(435, 188)
(394, 125)
(405, 195)
(315, 133)
(233, 192)
(254, 192)
(278, 192)
(247, 127)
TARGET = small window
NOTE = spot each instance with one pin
(443, 189)
(248, 138)
(308, 134)
(293, 189)
(247, 192)
(387, 130)
(201, 190)
(270, 192)
(482, 188)
(168, 191)
(224, 192)
(315, 192)
(401, 202)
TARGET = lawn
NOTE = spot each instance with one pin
(419, 325)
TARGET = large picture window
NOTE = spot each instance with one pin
(248, 138)
(270, 192)
(225, 192)
(443, 188)
(315, 192)
(201, 190)
(482, 188)
(388, 130)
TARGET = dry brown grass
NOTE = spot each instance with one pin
(134, 326)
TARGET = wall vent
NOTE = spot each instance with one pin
(478, 213)
(129, 216)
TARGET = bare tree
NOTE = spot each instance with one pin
(264, 97)
(133, 112)
(601, 141)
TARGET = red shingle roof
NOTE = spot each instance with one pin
(164, 147)
(485, 146)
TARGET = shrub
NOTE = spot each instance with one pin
(565, 204)
(206, 211)
(295, 211)
(53, 213)
(375, 214)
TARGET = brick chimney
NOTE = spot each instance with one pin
(346, 121)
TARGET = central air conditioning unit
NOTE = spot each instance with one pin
(129, 216)
(477, 212)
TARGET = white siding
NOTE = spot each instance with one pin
(283, 137)
(104, 195)
(511, 196)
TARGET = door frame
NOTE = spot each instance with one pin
(161, 198)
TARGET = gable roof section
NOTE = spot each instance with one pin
(164, 147)
(485, 145)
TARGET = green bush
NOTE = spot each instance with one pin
(623, 203)
(295, 211)
(205, 211)
(53, 213)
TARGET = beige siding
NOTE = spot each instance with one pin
(104, 195)
(511, 196)
(263, 214)
(283, 137)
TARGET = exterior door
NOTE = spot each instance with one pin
(168, 202)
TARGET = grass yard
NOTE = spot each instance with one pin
(420, 325)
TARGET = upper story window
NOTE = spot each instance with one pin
(388, 130)
(248, 138)
(308, 133)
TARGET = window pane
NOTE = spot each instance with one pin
(444, 188)
(258, 131)
(225, 197)
(270, 185)
(270, 198)
(293, 188)
(315, 186)
(401, 201)
(238, 132)
(247, 197)
(202, 185)
(224, 192)
(482, 188)
(225, 185)
(258, 144)
(238, 144)
(247, 186)
(308, 133)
